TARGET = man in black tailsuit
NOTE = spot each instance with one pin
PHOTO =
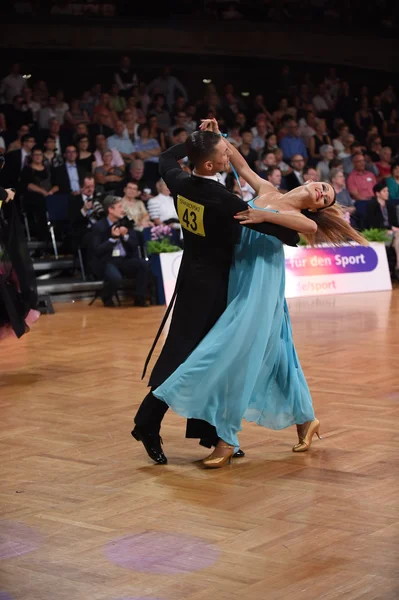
(206, 212)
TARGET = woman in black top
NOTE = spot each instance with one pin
(36, 185)
(85, 158)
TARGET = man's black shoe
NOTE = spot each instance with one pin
(152, 443)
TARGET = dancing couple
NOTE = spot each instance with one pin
(244, 364)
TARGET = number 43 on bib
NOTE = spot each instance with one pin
(191, 215)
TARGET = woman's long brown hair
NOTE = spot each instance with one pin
(332, 228)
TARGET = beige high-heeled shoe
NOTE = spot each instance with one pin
(306, 441)
(220, 457)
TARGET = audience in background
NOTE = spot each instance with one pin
(328, 131)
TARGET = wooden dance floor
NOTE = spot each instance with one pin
(86, 516)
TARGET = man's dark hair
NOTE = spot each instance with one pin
(50, 137)
(246, 130)
(271, 170)
(178, 131)
(379, 187)
(26, 137)
(110, 201)
(201, 145)
(356, 144)
(307, 169)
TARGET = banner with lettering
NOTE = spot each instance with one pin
(336, 270)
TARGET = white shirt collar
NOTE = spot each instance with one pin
(213, 177)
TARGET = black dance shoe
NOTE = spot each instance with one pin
(152, 443)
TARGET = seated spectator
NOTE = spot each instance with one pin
(129, 118)
(234, 135)
(136, 175)
(62, 137)
(181, 120)
(61, 107)
(323, 166)
(148, 150)
(292, 144)
(156, 133)
(393, 182)
(381, 214)
(378, 115)
(280, 112)
(363, 120)
(17, 160)
(268, 160)
(121, 141)
(116, 255)
(390, 130)
(347, 143)
(246, 150)
(50, 155)
(271, 142)
(36, 185)
(161, 208)
(338, 142)
(104, 109)
(84, 210)
(179, 136)
(85, 158)
(360, 182)
(100, 127)
(347, 163)
(260, 132)
(295, 179)
(75, 114)
(159, 110)
(307, 127)
(17, 114)
(17, 144)
(81, 129)
(321, 138)
(101, 147)
(273, 174)
(135, 209)
(284, 168)
(108, 177)
(374, 148)
(384, 164)
(343, 197)
(13, 84)
(322, 101)
(47, 112)
(309, 174)
(69, 176)
(117, 103)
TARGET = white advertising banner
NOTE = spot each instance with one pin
(315, 271)
(170, 265)
(336, 270)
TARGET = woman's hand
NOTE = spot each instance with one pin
(210, 125)
(251, 216)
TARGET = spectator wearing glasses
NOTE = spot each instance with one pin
(291, 144)
(69, 177)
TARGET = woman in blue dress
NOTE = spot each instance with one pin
(247, 366)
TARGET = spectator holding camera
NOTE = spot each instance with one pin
(116, 255)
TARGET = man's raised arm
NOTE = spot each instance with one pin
(169, 167)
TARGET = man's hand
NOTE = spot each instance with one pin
(116, 231)
(123, 231)
(251, 216)
(10, 194)
(210, 125)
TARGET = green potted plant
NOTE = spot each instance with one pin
(376, 235)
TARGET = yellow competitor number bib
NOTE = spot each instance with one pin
(191, 215)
